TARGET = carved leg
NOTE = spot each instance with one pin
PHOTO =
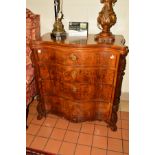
(41, 114)
(114, 118)
(113, 121)
(27, 112)
(114, 127)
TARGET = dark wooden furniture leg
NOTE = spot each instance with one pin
(40, 110)
(114, 118)
(27, 112)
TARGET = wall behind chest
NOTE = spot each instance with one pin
(84, 10)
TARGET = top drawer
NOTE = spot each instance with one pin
(86, 58)
(77, 57)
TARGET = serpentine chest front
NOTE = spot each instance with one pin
(79, 79)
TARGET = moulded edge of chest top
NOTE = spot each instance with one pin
(47, 44)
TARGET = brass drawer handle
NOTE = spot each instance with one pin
(73, 74)
(73, 57)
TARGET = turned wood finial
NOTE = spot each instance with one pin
(106, 19)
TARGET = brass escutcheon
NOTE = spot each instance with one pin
(73, 57)
(73, 74)
(74, 89)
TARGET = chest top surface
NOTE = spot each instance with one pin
(118, 44)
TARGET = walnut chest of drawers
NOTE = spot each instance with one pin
(79, 79)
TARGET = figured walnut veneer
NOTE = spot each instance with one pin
(79, 79)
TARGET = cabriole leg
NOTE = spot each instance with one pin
(41, 114)
(113, 121)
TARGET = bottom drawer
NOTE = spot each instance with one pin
(77, 111)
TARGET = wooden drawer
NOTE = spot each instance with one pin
(85, 58)
(77, 111)
(77, 91)
(76, 74)
(84, 91)
(83, 74)
(76, 58)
